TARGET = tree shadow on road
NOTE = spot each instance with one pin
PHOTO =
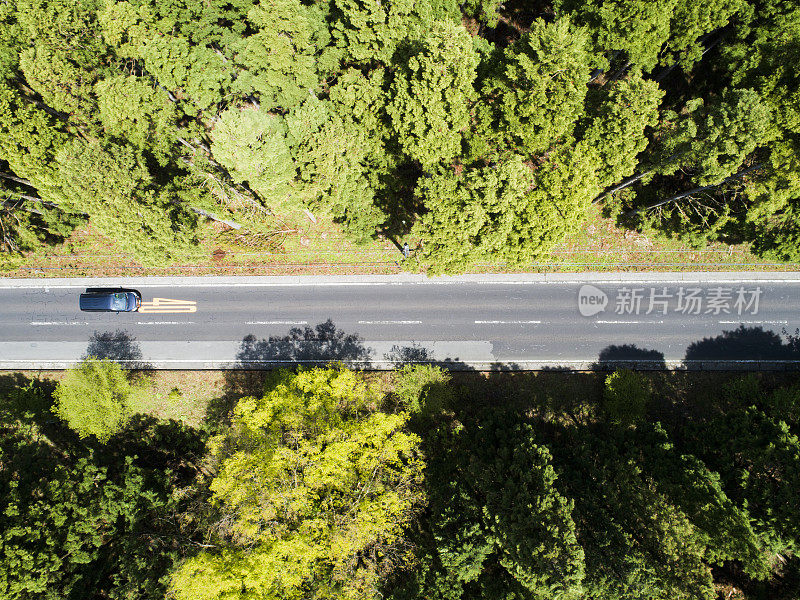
(745, 344)
(417, 354)
(120, 347)
(629, 356)
(400, 356)
(302, 346)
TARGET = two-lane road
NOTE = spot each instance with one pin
(521, 321)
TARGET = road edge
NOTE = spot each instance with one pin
(405, 279)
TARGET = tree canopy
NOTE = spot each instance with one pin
(681, 116)
(313, 488)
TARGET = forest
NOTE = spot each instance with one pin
(418, 484)
(481, 131)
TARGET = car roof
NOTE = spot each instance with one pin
(99, 300)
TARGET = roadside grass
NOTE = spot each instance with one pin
(299, 246)
(179, 395)
(197, 397)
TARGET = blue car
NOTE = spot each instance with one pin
(113, 300)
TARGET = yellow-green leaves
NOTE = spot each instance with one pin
(92, 399)
(251, 144)
(314, 489)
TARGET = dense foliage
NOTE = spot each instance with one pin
(93, 399)
(85, 520)
(332, 484)
(479, 131)
(313, 487)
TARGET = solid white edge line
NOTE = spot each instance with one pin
(754, 322)
(401, 283)
(708, 278)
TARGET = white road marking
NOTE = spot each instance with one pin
(754, 322)
(627, 322)
(35, 323)
(506, 322)
(379, 280)
(165, 322)
(389, 322)
(276, 323)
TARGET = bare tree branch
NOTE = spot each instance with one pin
(694, 191)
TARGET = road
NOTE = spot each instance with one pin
(695, 320)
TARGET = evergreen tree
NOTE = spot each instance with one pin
(279, 63)
(331, 154)
(474, 214)
(431, 96)
(114, 186)
(252, 145)
(133, 110)
(536, 95)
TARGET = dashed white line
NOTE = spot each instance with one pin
(276, 323)
(390, 322)
(165, 322)
(754, 322)
(35, 323)
(628, 322)
(507, 322)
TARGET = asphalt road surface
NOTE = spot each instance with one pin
(692, 320)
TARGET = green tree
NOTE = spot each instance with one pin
(66, 56)
(431, 96)
(132, 109)
(26, 226)
(364, 32)
(114, 186)
(331, 154)
(638, 543)
(474, 215)
(423, 389)
(618, 119)
(625, 397)
(537, 92)
(637, 27)
(758, 469)
(279, 63)
(497, 527)
(78, 520)
(762, 58)
(93, 399)
(11, 41)
(649, 32)
(251, 144)
(314, 489)
(29, 139)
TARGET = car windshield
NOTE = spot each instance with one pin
(119, 302)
